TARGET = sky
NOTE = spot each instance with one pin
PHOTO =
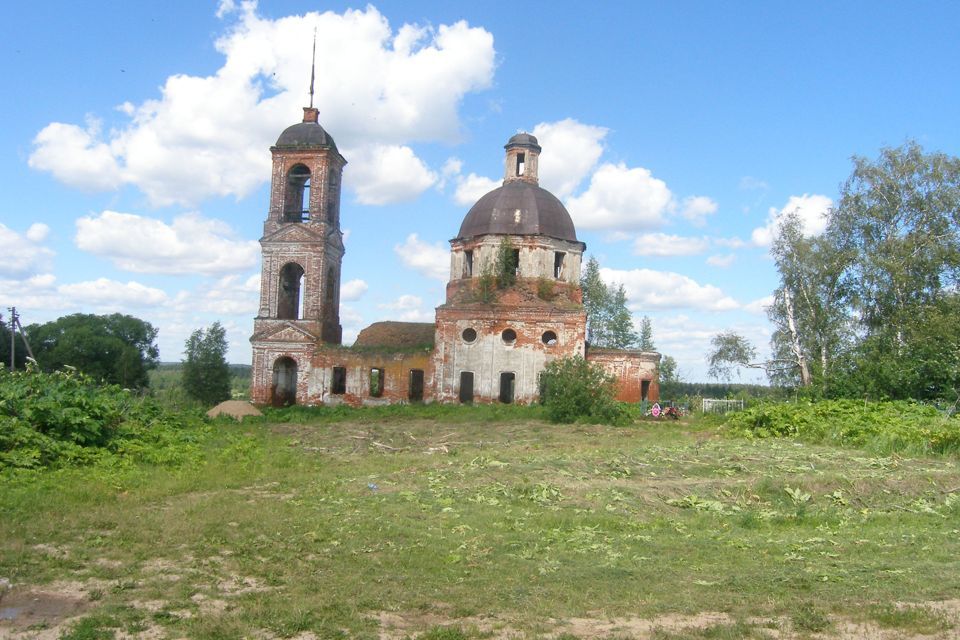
(135, 162)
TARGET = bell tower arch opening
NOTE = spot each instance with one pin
(289, 293)
(297, 197)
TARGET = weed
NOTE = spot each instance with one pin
(911, 618)
(808, 617)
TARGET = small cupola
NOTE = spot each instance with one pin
(521, 163)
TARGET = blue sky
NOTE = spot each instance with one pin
(135, 146)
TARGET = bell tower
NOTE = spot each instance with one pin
(302, 254)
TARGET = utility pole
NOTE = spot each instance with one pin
(14, 327)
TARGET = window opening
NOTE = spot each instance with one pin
(338, 385)
(297, 207)
(521, 160)
(558, 264)
(283, 391)
(644, 390)
(331, 283)
(549, 338)
(469, 335)
(507, 381)
(415, 392)
(509, 336)
(288, 297)
(516, 262)
(466, 387)
(376, 382)
(468, 264)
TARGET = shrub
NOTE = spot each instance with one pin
(572, 389)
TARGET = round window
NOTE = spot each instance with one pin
(549, 338)
(469, 334)
(509, 336)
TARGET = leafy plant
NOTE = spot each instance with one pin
(573, 389)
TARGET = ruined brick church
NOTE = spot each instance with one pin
(485, 345)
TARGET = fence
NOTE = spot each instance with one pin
(721, 406)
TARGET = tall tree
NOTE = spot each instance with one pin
(728, 353)
(596, 302)
(645, 341)
(117, 348)
(206, 374)
(622, 335)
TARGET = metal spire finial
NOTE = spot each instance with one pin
(313, 65)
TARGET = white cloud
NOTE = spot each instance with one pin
(621, 198)
(229, 295)
(697, 208)
(730, 243)
(191, 244)
(570, 150)
(353, 289)
(749, 183)
(431, 260)
(409, 308)
(813, 211)
(662, 244)
(648, 289)
(112, 294)
(473, 187)
(208, 135)
(22, 254)
(722, 261)
(759, 306)
(387, 174)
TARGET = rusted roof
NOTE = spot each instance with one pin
(523, 140)
(396, 335)
(305, 135)
(519, 208)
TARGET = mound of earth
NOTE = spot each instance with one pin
(235, 409)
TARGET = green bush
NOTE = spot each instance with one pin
(882, 426)
(573, 390)
(49, 419)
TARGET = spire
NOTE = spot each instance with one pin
(311, 114)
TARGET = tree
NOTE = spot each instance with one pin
(729, 352)
(645, 341)
(609, 323)
(206, 374)
(117, 349)
(19, 351)
(573, 389)
(506, 264)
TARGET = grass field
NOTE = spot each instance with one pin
(513, 528)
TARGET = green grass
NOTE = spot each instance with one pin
(482, 521)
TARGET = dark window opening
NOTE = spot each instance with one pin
(332, 210)
(644, 390)
(521, 160)
(283, 391)
(507, 381)
(558, 264)
(509, 336)
(516, 261)
(416, 385)
(376, 382)
(549, 338)
(469, 334)
(339, 382)
(297, 203)
(466, 387)
(468, 264)
(288, 298)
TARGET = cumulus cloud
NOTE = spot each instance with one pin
(662, 244)
(191, 244)
(473, 187)
(621, 198)
(813, 211)
(105, 293)
(386, 174)
(408, 308)
(208, 135)
(431, 260)
(229, 295)
(570, 150)
(696, 209)
(721, 260)
(759, 306)
(23, 256)
(353, 289)
(649, 289)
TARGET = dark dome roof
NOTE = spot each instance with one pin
(305, 134)
(519, 208)
(523, 139)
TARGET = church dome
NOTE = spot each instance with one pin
(519, 208)
(305, 135)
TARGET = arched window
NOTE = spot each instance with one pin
(297, 202)
(284, 387)
(288, 296)
(331, 283)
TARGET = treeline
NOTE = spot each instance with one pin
(870, 307)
